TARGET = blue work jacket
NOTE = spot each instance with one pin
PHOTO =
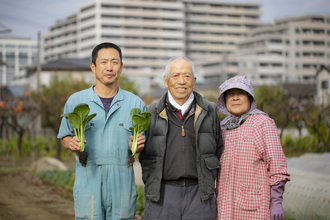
(106, 181)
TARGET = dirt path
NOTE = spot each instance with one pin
(26, 197)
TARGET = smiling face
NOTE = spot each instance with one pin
(237, 101)
(180, 81)
(107, 67)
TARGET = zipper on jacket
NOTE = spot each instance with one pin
(183, 133)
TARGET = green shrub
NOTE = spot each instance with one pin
(43, 146)
(9, 146)
(140, 200)
(299, 146)
(64, 179)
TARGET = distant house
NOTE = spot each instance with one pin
(64, 68)
(322, 85)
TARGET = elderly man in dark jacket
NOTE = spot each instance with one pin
(180, 160)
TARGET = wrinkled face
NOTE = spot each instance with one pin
(237, 101)
(108, 67)
(180, 81)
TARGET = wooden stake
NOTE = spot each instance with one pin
(92, 207)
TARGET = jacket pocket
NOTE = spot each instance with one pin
(124, 134)
(126, 125)
(249, 197)
(212, 164)
(147, 167)
(209, 169)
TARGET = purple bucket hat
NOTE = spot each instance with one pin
(239, 82)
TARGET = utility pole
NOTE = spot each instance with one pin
(39, 64)
(38, 128)
(3, 73)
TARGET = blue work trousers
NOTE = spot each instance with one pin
(104, 192)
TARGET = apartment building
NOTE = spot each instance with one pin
(289, 50)
(62, 40)
(15, 54)
(152, 31)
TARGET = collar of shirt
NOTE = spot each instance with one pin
(183, 108)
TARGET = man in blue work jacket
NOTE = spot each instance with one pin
(105, 188)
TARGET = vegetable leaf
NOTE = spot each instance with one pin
(141, 123)
(82, 110)
(135, 111)
(74, 120)
(78, 119)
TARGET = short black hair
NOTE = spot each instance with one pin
(102, 46)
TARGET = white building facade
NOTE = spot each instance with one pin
(322, 85)
(16, 54)
(289, 50)
(151, 32)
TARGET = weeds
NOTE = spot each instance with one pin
(65, 179)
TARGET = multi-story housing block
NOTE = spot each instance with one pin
(289, 50)
(62, 39)
(214, 28)
(15, 54)
(151, 32)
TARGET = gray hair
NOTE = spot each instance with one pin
(168, 66)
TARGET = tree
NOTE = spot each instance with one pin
(317, 120)
(4, 115)
(299, 110)
(126, 84)
(52, 100)
(21, 114)
(277, 104)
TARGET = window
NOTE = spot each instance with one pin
(23, 55)
(324, 84)
(89, 8)
(10, 46)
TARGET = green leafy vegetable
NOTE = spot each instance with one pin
(141, 123)
(78, 119)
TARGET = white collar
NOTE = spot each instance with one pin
(183, 108)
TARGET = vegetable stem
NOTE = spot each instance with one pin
(141, 123)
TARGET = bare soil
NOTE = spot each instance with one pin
(26, 197)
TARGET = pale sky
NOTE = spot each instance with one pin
(26, 18)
